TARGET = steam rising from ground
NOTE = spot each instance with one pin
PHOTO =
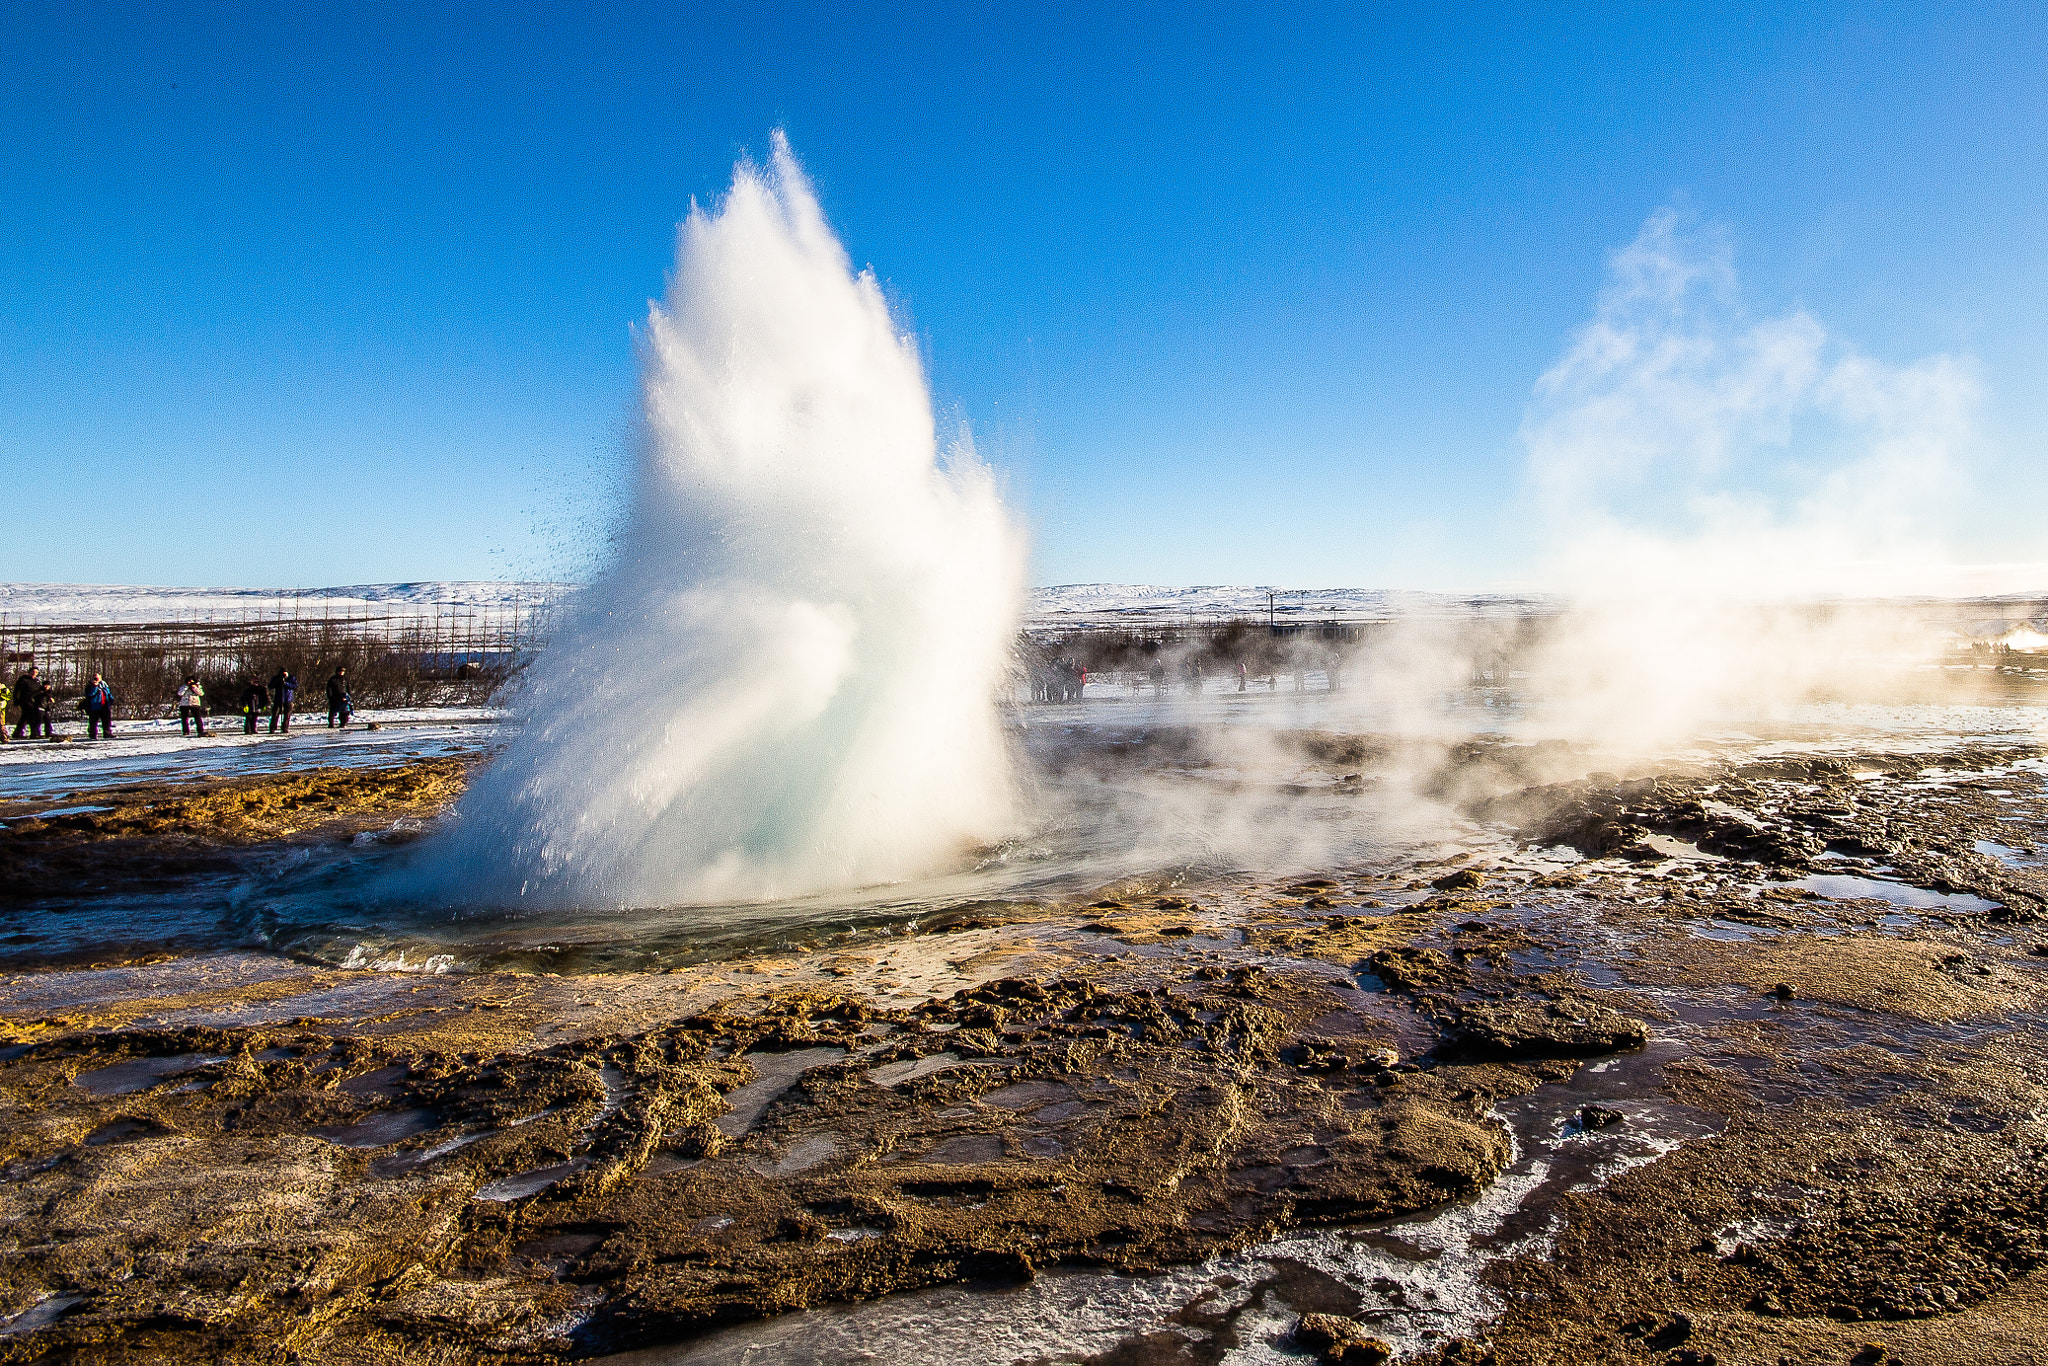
(786, 680)
(1727, 503)
(1716, 486)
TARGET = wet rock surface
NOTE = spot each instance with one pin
(1334, 1338)
(159, 834)
(1918, 819)
(242, 1159)
(1085, 1119)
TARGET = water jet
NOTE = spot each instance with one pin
(785, 680)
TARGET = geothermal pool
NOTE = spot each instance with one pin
(1143, 789)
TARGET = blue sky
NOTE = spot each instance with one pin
(328, 295)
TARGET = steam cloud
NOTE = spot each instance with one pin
(1675, 438)
(1728, 499)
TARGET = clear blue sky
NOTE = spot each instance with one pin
(309, 294)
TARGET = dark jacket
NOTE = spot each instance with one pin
(99, 697)
(283, 688)
(337, 690)
(255, 697)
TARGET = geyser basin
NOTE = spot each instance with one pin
(1108, 799)
(786, 681)
(1255, 1092)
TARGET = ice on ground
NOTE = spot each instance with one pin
(143, 750)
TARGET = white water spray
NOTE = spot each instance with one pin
(786, 681)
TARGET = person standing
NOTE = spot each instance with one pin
(6, 701)
(338, 703)
(28, 695)
(46, 705)
(255, 697)
(99, 710)
(283, 690)
(192, 707)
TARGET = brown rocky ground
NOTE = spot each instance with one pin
(243, 1159)
(160, 833)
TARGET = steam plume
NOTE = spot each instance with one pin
(1710, 480)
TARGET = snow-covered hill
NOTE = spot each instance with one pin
(1064, 605)
(83, 603)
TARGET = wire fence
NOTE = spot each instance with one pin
(438, 654)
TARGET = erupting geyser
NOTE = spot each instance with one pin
(786, 680)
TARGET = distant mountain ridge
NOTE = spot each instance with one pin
(1069, 604)
(84, 603)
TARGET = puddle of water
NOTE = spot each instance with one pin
(47, 1310)
(774, 1073)
(509, 1188)
(383, 1082)
(139, 1074)
(379, 1130)
(1681, 849)
(615, 1093)
(966, 1150)
(1842, 887)
(894, 1074)
(398, 1164)
(2004, 853)
(1727, 931)
(62, 811)
(801, 1156)
(858, 1233)
(122, 1131)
